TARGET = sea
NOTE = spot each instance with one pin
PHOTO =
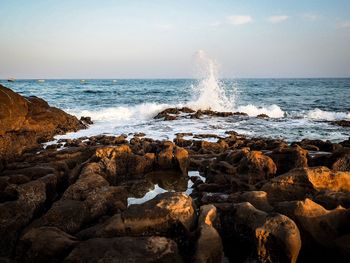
(297, 108)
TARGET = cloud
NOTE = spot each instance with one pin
(345, 24)
(277, 19)
(239, 20)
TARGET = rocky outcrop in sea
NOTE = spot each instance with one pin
(136, 199)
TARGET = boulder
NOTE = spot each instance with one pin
(14, 215)
(45, 244)
(27, 121)
(253, 235)
(299, 183)
(120, 249)
(255, 167)
(320, 229)
(209, 245)
(165, 213)
(288, 158)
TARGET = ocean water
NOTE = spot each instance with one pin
(298, 108)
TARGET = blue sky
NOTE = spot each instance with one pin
(158, 38)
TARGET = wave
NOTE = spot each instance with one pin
(273, 111)
(143, 111)
(318, 114)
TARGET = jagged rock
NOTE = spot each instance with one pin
(300, 183)
(132, 249)
(27, 121)
(209, 245)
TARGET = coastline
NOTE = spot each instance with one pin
(250, 198)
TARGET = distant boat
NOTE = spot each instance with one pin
(82, 80)
(11, 80)
(41, 80)
(114, 80)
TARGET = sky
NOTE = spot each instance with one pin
(158, 38)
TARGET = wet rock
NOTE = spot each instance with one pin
(86, 120)
(134, 249)
(45, 244)
(342, 123)
(263, 116)
(209, 245)
(300, 183)
(166, 212)
(288, 158)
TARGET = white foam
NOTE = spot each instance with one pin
(273, 111)
(123, 113)
(318, 114)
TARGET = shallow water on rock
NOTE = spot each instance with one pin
(166, 181)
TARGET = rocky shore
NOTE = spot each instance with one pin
(135, 199)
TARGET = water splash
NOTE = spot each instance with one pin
(210, 92)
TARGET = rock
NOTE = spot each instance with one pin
(288, 158)
(324, 146)
(165, 157)
(263, 116)
(182, 158)
(14, 215)
(342, 123)
(132, 249)
(27, 121)
(166, 212)
(86, 120)
(255, 167)
(340, 160)
(209, 245)
(319, 227)
(332, 199)
(45, 244)
(256, 236)
(213, 147)
(257, 198)
(299, 183)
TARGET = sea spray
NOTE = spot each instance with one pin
(210, 92)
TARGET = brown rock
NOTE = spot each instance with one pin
(256, 166)
(159, 215)
(288, 158)
(14, 215)
(134, 249)
(45, 244)
(302, 182)
(182, 158)
(257, 236)
(320, 228)
(209, 245)
(25, 122)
